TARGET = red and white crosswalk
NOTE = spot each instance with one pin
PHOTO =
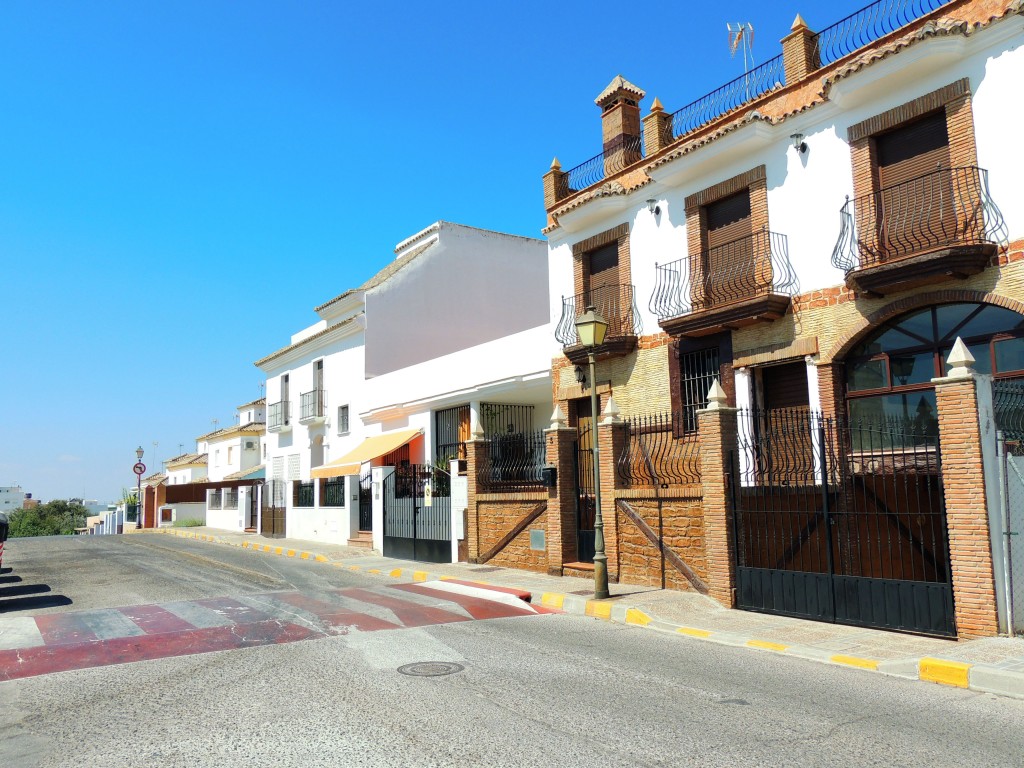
(58, 642)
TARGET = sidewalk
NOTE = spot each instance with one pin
(994, 665)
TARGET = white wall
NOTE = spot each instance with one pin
(472, 286)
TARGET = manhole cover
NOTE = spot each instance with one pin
(430, 668)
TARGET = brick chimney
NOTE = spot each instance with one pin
(799, 51)
(620, 124)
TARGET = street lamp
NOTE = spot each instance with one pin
(591, 328)
(138, 469)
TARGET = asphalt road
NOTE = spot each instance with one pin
(548, 690)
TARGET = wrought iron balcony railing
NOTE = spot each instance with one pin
(611, 161)
(303, 494)
(870, 23)
(657, 451)
(613, 302)
(312, 405)
(511, 461)
(760, 80)
(277, 415)
(945, 208)
(747, 268)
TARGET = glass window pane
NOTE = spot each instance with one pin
(912, 369)
(914, 412)
(867, 374)
(992, 320)
(950, 316)
(919, 324)
(1010, 355)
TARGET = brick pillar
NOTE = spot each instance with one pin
(963, 480)
(717, 431)
(620, 124)
(799, 52)
(556, 185)
(830, 387)
(657, 129)
(475, 453)
(561, 516)
(610, 437)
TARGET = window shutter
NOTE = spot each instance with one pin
(913, 150)
(785, 386)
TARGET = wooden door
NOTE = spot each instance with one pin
(603, 287)
(790, 447)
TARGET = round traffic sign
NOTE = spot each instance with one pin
(139, 468)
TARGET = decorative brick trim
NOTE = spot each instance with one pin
(604, 238)
(904, 113)
(774, 353)
(581, 265)
(846, 342)
(725, 188)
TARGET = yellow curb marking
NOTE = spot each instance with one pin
(854, 661)
(374, 570)
(304, 556)
(552, 600)
(278, 550)
(419, 576)
(355, 567)
(291, 553)
(944, 672)
(693, 632)
(599, 609)
(320, 559)
(766, 645)
(442, 578)
(396, 573)
(634, 616)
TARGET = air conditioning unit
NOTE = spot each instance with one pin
(249, 445)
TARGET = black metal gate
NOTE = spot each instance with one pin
(272, 521)
(418, 514)
(366, 501)
(586, 506)
(254, 508)
(842, 522)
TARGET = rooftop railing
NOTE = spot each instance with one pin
(611, 161)
(947, 207)
(746, 268)
(870, 23)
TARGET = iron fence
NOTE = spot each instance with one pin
(512, 461)
(946, 207)
(616, 157)
(303, 494)
(332, 492)
(366, 501)
(867, 25)
(451, 428)
(497, 418)
(1008, 407)
(313, 405)
(745, 268)
(277, 414)
(657, 451)
(613, 302)
(762, 79)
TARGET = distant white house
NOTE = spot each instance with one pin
(451, 336)
(235, 468)
(12, 497)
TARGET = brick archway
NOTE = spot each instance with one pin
(850, 339)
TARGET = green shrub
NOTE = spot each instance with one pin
(188, 522)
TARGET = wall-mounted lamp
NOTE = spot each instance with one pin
(653, 207)
(798, 143)
(581, 375)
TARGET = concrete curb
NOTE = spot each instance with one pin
(983, 678)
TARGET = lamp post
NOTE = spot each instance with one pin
(138, 469)
(591, 328)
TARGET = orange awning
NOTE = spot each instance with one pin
(368, 450)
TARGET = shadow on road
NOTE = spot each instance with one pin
(21, 597)
(9, 579)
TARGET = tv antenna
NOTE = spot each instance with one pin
(741, 36)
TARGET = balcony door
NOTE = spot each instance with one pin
(603, 287)
(728, 263)
(916, 206)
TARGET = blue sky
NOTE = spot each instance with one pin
(180, 183)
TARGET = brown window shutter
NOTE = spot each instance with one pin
(729, 263)
(785, 386)
(912, 150)
(604, 292)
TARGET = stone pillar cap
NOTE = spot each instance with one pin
(611, 412)
(557, 418)
(961, 361)
(717, 398)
